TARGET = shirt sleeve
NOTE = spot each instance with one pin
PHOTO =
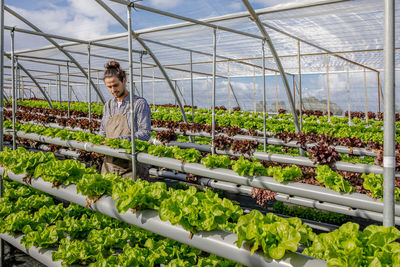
(143, 121)
(106, 116)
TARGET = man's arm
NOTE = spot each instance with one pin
(106, 115)
(143, 120)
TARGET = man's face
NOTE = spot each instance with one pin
(115, 86)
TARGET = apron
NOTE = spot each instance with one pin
(116, 126)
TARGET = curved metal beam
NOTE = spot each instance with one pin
(59, 48)
(257, 21)
(145, 47)
(33, 79)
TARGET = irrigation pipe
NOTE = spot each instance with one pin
(40, 254)
(275, 141)
(269, 140)
(226, 186)
(354, 200)
(207, 148)
(306, 202)
(217, 242)
(287, 159)
(234, 189)
(321, 205)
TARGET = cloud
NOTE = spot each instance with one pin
(267, 2)
(78, 19)
(87, 8)
(236, 6)
(278, 3)
(165, 4)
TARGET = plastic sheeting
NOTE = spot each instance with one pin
(352, 29)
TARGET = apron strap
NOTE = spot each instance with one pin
(109, 106)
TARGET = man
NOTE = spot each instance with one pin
(116, 122)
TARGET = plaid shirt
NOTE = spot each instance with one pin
(142, 113)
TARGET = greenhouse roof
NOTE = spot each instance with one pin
(349, 31)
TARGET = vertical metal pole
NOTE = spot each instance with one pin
(254, 89)
(264, 97)
(276, 93)
(191, 84)
(23, 88)
(191, 138)
(366, 96)
(141, 75)
(294, 92)
(154, 90)
(76, 97)
(382, 96)
(379, 91)
(277, 61)
(348, 96)
(213, 89)
(98, 86)
(328, 101)
(59, 85)
(14, 100)
(176, 89)
(131, 92)
(89, 88)
(17, 84)
(208, 93)
(56, 86)
(49, 91)
(1, 109)
(300, 85)
(183, 89)
(69, 92)
(389, 157)
(229, 86)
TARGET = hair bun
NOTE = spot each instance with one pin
(112, 65)
(113, 69)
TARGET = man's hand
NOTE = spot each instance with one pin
(127, 137)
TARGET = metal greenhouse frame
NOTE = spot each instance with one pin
(153, 44)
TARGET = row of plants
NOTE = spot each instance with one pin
(374, 246)
(242, 166)
(263, 197)
(355, 136)
(193, 210)
(314, 114)
(98, 107)
(340, 130)
(283, 124)
(310, 213)
(77, 112)
(85, 237)
(308, 115)
(324, 141)
(30, 115)
(319, 154)
(220, 142)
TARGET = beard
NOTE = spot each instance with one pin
(119, 94)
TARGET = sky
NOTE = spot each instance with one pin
(85, 19)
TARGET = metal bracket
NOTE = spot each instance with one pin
(132, 4)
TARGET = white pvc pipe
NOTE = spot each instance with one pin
(217, 242)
